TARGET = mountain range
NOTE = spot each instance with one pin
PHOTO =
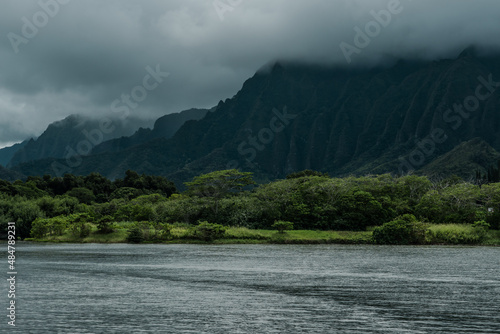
(433, 117)
(55, 141)
(7, 153)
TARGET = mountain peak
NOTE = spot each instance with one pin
(471, 51)
(271, 68)
(70, 121)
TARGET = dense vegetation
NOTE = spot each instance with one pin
(399, 210)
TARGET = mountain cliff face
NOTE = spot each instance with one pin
(74, 133)
(292, 117)
(164, 127)
(7, 153)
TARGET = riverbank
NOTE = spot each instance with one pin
(234, 235)
(238, 235)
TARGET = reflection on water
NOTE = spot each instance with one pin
(256, 289)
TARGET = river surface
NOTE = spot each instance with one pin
(254, 289)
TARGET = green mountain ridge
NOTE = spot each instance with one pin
(292, 117)
(164, 127)
(473, 155)
(7, 153)
(68, 133)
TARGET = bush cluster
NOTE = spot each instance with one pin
(404, 230)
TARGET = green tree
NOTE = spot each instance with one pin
(219, 184)
(28, 189)
(48, 226)
(39, 228)
(147, 183)
(78, 224)
(136, 212)
(126, 193)
(83, 195)
(24, 213)
(59, 205)
(455, 204)
(100, 186)
(305, 173)
(283, 226)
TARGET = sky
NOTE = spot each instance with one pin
(148, 58)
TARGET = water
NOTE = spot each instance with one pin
(255, 289)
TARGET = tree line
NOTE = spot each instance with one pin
(47, 205)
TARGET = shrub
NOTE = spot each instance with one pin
(209, 232)
(455, 234)
(104, 225)
(481, 227)
(283, 226)
(164, 232)
(404, 230)
(135, 235)
(80, 229)
(161, 231)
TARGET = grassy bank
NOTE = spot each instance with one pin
(234, 235)
(450, 234)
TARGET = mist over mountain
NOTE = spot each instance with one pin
(291, 117)
(75, 133)
(72, 67)
(164, 127)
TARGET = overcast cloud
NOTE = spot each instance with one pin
(93, 51)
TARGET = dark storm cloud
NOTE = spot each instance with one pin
(90, 52)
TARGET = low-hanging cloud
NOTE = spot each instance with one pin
(91, 51)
